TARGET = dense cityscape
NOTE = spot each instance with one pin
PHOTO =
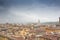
(30, 31)
(29, 19)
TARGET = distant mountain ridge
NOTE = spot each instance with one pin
(50, 23)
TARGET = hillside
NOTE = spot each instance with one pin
(50, 23)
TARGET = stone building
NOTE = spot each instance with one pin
(59, 20)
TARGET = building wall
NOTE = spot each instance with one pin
(52, 30)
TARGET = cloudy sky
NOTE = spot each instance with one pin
(24, 11)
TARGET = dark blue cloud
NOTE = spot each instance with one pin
(28, 2)
(50, 2)
(21, 2)
(5, 4)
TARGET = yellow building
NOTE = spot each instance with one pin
(22, 32)
(42, 38)
(49, 30)
(4, 38)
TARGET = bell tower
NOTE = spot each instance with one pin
(38, 21)
(59, 20)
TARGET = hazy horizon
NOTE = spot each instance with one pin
(24, 11)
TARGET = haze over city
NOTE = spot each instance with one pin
(29, 19)
(23, 11)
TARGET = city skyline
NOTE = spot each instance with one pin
(23, 11)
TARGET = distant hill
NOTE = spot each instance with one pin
(50, 23)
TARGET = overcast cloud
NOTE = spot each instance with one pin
(23, 11)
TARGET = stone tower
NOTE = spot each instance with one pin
(59, 20)
(38, 21)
